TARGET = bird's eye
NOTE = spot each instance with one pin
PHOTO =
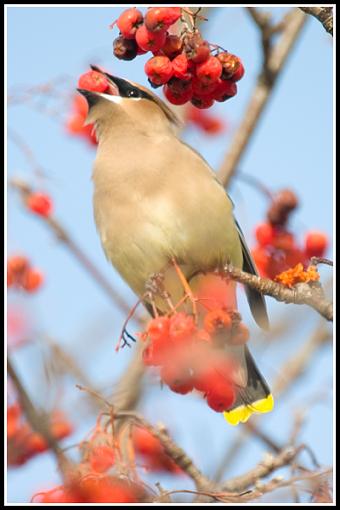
(133, 93)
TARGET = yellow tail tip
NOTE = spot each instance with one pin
(242, 413)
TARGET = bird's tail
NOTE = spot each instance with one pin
(254, 397)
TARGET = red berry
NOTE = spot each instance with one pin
(180, 66)
(225, 89)
(238, 75)
(316, 244)
(80, 105)
(177, 98)
(232, 66)
(159, 328)
(261, 259)
(209, 71)
(283, 240)
(150, 41)
(178, 86)
(125, 49)
(17, 264)
(177, 378)
(202, 101)
(159, 70)
(102, 458)
(129, 21)
(216, 320)
(40, 203)
(160, 18)
(94, 81)
(75, 124)
(182, 327)
(173, 46)
(264, 234)
(145, 442)
(196, 49)
(201, 89)
(222, 398)
(32, 280)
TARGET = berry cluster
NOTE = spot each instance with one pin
(189, 68)
(277, 249)
(152, 452)
(21, 275)
(193, 358)
(93, 489)
(23, 442)
(39, 203)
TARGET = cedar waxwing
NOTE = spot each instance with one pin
(157, 200)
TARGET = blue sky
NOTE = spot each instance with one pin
(292, 147)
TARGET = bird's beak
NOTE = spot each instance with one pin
(119, 84)
(91, 97)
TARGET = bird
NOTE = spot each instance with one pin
(157, 201)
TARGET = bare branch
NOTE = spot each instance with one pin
(275, 64)
(323, 14)
(269, 464)
(37, 420)
(301, 294)
(175, 452)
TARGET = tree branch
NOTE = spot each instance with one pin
(301, 294)
(37, 420)
(274, 64)
(323, 14)
(269, 464)
(62, 235)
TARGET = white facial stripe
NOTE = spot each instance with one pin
(109, 97)
(117, 99)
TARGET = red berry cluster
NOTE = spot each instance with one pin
(21, 275)
(39, 203)
(152, 451)
(277, 249)
(23, 442)
(93, 489)
(193, 358)
(184, 63)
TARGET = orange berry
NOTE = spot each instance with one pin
(216, 320)
(32, 280)
(39, 203)
(316, 244)
(102, 458)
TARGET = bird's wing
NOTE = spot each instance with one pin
(256, 300)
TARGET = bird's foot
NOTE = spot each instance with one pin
(187, 289)
(155, 287)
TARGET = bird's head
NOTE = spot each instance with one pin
(127, 105)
